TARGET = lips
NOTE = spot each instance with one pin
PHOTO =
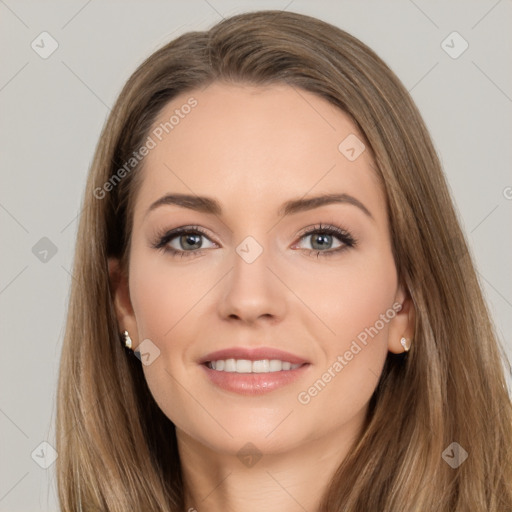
(253, 383)
(252, 354)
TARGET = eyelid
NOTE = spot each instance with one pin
(163, 237)
(345, 237)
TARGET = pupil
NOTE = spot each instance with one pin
(323, 244)
(189, 238)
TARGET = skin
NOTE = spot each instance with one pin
(252, 149)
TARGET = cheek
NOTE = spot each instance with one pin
(164, 298)
(348, 315)
(350, 297)
(356, 305)
(163, 295)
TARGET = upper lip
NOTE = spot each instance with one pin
(252, 354)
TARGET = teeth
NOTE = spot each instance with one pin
(229, 365)
(261, 366)
(243, 366)
(247, 366)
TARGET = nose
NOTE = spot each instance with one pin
(253, 288)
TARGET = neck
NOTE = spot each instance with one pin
(291, 480)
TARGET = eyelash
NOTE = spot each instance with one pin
(343, 236)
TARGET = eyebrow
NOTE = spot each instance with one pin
(209, 205)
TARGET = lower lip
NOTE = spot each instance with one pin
(254, 383)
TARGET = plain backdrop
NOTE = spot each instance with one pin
(52, 110)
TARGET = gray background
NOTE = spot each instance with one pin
(52, 111)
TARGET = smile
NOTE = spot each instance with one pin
(246, 377)
(248, 366)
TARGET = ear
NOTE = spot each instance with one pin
(403, 324)
(122, 303)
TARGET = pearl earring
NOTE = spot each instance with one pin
(403, 342)
(127, 340)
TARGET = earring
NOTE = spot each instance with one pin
(127, 340)
(403, 342)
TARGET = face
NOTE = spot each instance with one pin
(317, 282)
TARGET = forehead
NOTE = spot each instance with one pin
(250, 146)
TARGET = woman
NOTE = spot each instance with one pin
(322, 343)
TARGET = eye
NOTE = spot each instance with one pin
(322, 239)
(184, 241)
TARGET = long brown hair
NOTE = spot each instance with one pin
(117, 450)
